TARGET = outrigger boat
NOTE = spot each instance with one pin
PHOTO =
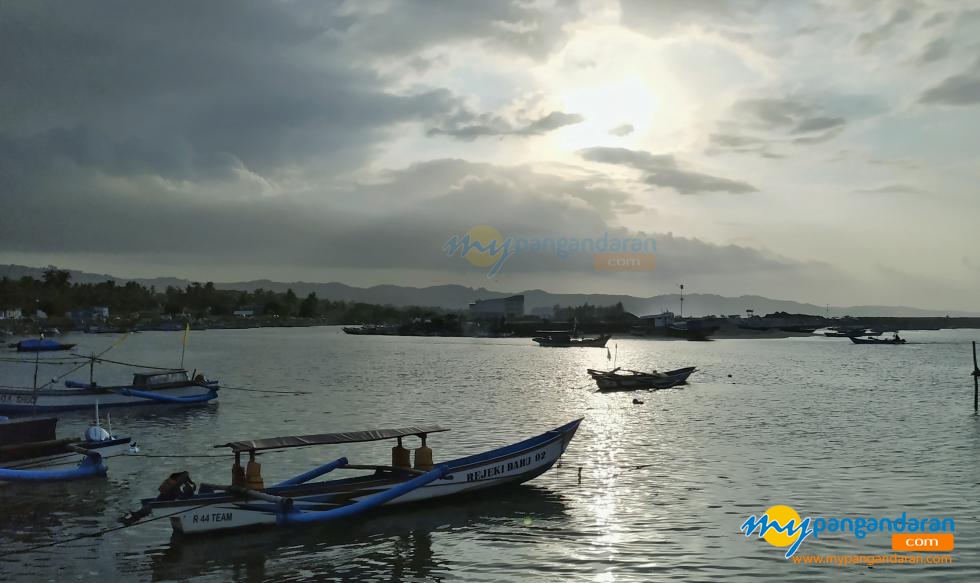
(893, 340)
(159, 387)
(629, 380)
(31, 452)
(299, 500)
(563, 339)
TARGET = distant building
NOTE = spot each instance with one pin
(661, 320)
(12, 314)
(512, 307)
(41, 315)
(244, 313)
(85, 316)
(543, 312)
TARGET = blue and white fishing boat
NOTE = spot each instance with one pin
(300, 500)
(158, 387)
(31, 452)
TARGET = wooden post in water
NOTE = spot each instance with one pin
(976, 380)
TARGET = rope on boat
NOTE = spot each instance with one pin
(99, 533)
(224, 387)
(133, 364)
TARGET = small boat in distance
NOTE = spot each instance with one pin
(300, 500)
(158, 387)
(893, 340)
(40, 345)
(564, 339)
(373, 330)
(629, 380)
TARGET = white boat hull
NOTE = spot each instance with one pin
(511, 467)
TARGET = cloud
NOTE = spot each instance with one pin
(867, 41)
(623, 130)
(663, 170)
(936, 50)
(962, 89)
(760, 124)
(468, 127)
(891, 189)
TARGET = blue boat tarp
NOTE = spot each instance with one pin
(41, 345)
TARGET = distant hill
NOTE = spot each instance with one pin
(458, 297)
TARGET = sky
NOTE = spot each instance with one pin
(823, 151)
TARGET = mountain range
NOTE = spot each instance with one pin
(458, 297)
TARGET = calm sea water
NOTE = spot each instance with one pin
(819, 424)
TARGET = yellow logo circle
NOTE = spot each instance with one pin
(485, 236)
(783, 515)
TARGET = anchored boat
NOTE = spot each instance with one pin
(893, 340)
(40, 345)
(629, 380)
(563, 339)
(31, 452)
(300, 500)
(159, 387)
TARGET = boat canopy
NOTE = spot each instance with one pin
(143, 379)
(330, 438)
(555, 332)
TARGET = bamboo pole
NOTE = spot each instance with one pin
(976, 380)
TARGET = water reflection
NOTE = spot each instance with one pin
(396, 544)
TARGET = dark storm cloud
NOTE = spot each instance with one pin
(962, 89)
(180, 89)
(143, 217)
(663, 170)
(467, 126)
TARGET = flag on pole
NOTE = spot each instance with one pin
(183, 349)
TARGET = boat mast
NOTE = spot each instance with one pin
(682, 300)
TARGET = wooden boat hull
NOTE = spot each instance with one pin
(857, 340)
(513, 464)
(27, 401)
(599, 342)
(609, 381)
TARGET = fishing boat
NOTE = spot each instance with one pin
(564, 339)
(157, 387)
(31, 452)
(373, 330)
(893, 340)
(628, 380)
(40, 345)
(300, 500)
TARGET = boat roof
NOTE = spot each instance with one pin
(330, 438)
(554, 332)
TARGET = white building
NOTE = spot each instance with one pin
(244, 313)
(512, 307)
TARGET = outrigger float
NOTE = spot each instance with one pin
(299, 500)
(158, 387)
